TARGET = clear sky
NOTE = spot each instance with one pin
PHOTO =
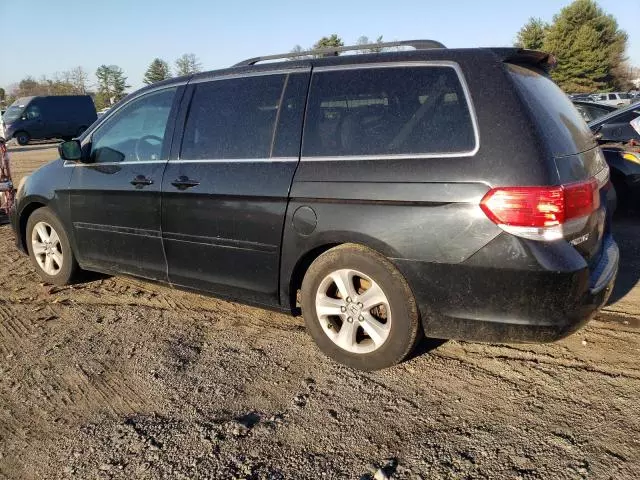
(41, 37)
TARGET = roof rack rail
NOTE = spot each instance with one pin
(331, 51)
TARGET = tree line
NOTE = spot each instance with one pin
(110, 83)
(586, 41)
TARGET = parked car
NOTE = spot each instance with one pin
(616, 99)
(624, 164)
(616, 126)
(31, 118)
(591, 111)
(375, 192)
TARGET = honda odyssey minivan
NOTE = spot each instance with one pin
(452, 193)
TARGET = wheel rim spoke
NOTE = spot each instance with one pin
(53, 238)
(376, 330)
(344, 281)
(38, 248)
(327, 306)
(373, 297)
(346, 337)
(57, 259)
(48, 265)
(41, 229)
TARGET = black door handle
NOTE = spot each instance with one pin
(182, 183)
(140, 181)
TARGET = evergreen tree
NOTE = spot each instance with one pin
(327, 42)
(589, 48)
(158, 70)
(532, 35)
(111, 85)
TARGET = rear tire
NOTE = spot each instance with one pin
(49, 248)
(22, 138)
(377, 325)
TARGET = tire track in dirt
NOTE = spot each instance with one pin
(13, 330)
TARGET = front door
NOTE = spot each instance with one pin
(224, 198)
(33, 123)
(115, 196)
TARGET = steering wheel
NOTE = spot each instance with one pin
(149, 141)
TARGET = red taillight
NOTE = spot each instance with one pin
(541, 206)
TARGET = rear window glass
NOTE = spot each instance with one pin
(387, 111)
(232, 118)
(563, 128)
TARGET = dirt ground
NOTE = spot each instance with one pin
(118, 378)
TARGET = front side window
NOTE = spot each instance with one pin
(32, 112)
(612, 96)
(388, 111)
(232, 118)
(136, 132)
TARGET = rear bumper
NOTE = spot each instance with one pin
(490, 303)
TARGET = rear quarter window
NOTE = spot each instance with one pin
(561, 125)
(388, 110)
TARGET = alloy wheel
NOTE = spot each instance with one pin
(47, 248)
(353, 311)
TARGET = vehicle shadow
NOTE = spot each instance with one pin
(86, 276)
(426, 345)
(28, 148)
(626, 231)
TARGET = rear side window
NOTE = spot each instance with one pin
(388, 111)
(232, 118)
(561, 125)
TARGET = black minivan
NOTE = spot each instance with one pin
(36, 118)
(452, 193)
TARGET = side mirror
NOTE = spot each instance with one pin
(70, 150)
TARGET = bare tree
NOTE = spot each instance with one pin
(79, 78)
(188, 64)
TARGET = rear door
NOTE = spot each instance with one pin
(115, 199)
(225, 193)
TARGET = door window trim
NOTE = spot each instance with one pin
(402, 156)
(175, 154)
(171, 124)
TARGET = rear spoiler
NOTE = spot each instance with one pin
(532, 58)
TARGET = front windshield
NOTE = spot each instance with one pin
(625, 96)
(13, 112)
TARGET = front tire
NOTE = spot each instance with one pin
(22, 138)
(359, 308)
(49, 248)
